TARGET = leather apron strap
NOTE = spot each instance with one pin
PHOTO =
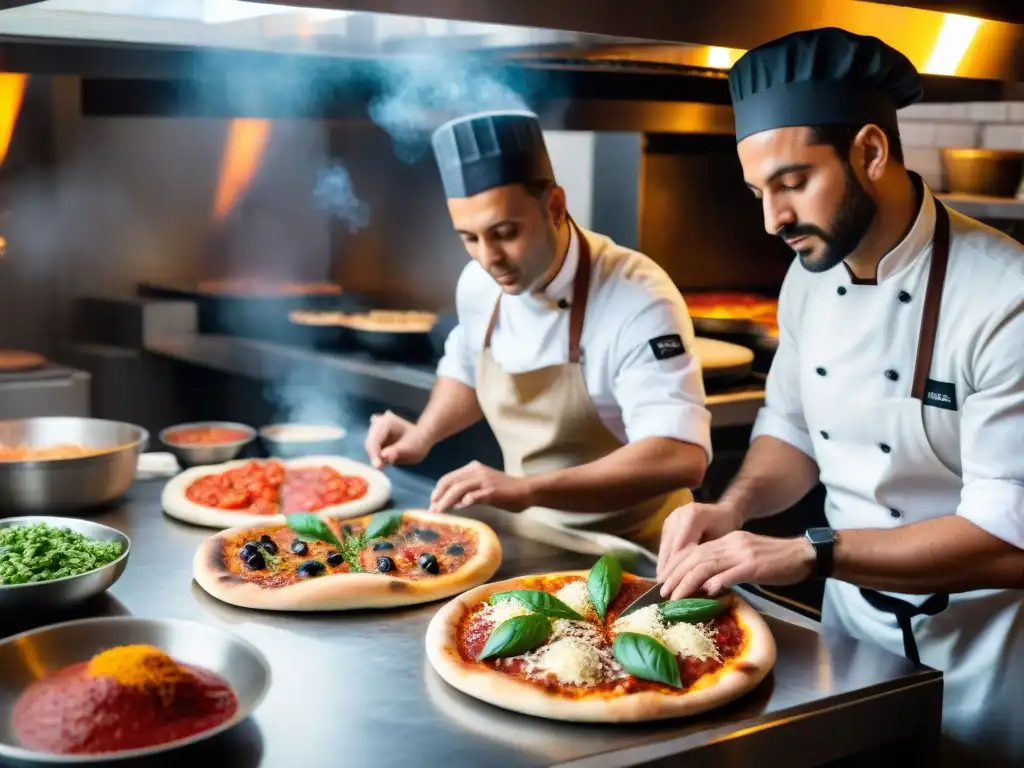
(901, 609)
(578, 310)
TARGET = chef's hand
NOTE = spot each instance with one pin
(476, 483)
(736, 558)
(694, 524)
(394, 440)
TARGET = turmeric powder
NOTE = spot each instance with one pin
(144, 667)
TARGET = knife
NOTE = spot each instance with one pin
(651, 597)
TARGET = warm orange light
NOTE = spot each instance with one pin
(955, 37)
(246, 140)
(12, 91)
(723, 58)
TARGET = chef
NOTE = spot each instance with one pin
(577, 352)
(898, 382)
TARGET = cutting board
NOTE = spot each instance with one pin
(19, 360)
(720, 359)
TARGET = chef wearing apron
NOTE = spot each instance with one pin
(575, 350)
(898, 382)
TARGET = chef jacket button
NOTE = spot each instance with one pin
(820, 371)
(891, 375)
(895, 513)
(563, 304)
(841, 290)
(904, 297)
(885, 448)
(824, 434)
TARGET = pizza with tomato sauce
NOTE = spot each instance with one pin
(556, 646)
(311, 563)
(251, 492)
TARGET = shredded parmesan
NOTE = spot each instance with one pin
(503, 610)
(574, 594)
(570, 660)
(692, 641)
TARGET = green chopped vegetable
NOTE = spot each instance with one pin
(40, 552)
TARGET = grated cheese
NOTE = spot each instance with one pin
(575, 596)
(569, 659)
(646, 621)
(503, 610)
(692, 641)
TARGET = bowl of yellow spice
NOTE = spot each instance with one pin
(56, 562)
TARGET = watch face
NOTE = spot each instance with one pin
(821, 535)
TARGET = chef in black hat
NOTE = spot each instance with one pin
(898, 383)
(577, 352)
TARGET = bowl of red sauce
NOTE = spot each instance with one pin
(207, 442)
(123, 687)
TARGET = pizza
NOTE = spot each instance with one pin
(311, 563)
(735, 305)
(245, 286)
(555, 646)
(257, 491)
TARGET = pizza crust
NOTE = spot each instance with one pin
(508, 692)
(178, 506)
(347, 591)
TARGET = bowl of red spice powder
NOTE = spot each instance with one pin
(123, 687)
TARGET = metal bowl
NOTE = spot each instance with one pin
(64, 485)
(23, 656)
(61, 593)
(992, 172)
(276, 440)
(217, 453)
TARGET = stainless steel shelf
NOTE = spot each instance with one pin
(985, 207)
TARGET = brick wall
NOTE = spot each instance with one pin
(926, 128)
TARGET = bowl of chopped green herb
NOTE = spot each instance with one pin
(54, 562)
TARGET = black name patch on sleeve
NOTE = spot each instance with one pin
(667, 346)
(939, 394)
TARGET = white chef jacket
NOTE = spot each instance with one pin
(631, 302)
(872, 332)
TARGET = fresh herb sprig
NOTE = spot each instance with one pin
(309, 526)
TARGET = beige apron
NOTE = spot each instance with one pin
(544, 421)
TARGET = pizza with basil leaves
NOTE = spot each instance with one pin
(556, 646)
(309, 563)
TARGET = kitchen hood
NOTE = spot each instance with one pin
(653, 65)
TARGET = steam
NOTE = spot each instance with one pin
(309, 395)
(420, 93)
(334, 194)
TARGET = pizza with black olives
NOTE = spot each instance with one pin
(557, 646)
(310, 563)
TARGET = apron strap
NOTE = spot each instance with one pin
(904, 612)
(580, 290)
(932, 300)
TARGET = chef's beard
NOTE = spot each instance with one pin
(852, 220)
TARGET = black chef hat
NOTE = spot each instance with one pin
(491, 149)
(821, 77)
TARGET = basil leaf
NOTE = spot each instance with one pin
(383, 524)
(306, 524)
(692, 610)
(516, 635)
(603, 583)
(538, 601)
(644, 657)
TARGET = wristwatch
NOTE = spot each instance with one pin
(823, 540)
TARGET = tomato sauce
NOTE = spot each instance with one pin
(473, 633)
(206, 436)
(71, 712)
(267, 488)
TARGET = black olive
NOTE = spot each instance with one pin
(255, 562)
(379, 545)
(425, 534)
(455, 549)
(428, 563)
(299, 547)
(335, 559)
(311, 568)
(268, 545)
(247, 551)
(347, 530)
(385, 564)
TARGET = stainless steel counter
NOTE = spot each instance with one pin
(354, 689)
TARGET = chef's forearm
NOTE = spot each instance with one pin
(946, 554)
(452, 408)
(627, 476)
(773, 478)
